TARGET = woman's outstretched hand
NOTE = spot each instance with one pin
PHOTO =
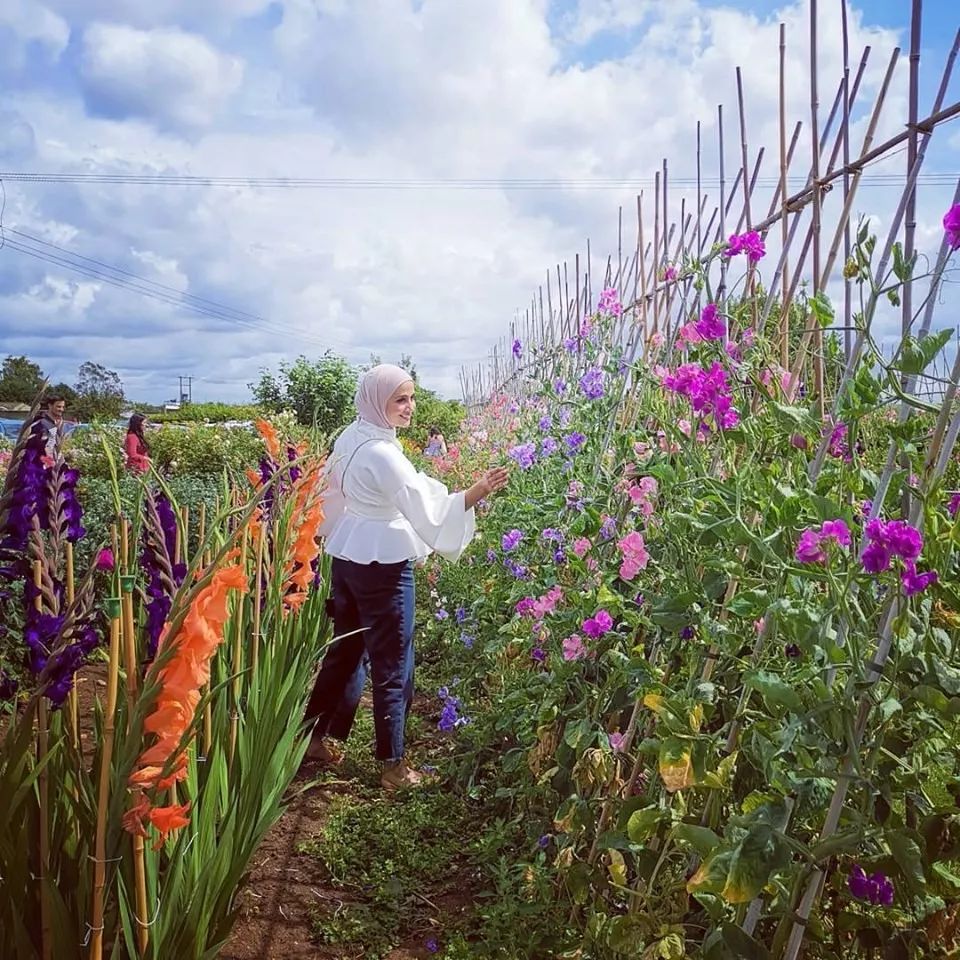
(491, 482)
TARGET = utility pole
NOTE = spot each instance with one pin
(188, 396)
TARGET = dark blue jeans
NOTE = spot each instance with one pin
(341, 722)
(374, 604)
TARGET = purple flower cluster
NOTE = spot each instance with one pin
(877, 888)
(450, 717)
(896, 538)
(598, 624)
(548, 446)
(749, 243)
(811, 547)
(156, 560)
(591, 383)
(43, 498)
(574, 441)
(559, 386)
(511, 539)
(571, 344)
(524, 454)
(837, 446)
(707, 390)
(711, 325)
(951, 227)
(517, 349)
(953, 507)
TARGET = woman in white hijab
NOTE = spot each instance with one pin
(381, 517)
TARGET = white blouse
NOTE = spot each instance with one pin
(377, 507)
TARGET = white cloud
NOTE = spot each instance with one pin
(374, 89)
(36, 23)
(164, 75)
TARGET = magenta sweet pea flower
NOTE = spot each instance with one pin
(951, 226)
(711, 325)
(809, 549)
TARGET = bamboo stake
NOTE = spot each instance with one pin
(847, 285)
(128, 632)
(103, 793)
(257, 599)
(46, 929)
(237, 662)
(784, 258)
(815, 176)
(73, 701)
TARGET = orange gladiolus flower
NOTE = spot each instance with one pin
(168, 819)
(307, 517)
(270, 438)
(181, 678)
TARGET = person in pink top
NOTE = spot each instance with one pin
(135, 446)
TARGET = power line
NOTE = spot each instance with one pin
(126, 280)
(425, 183)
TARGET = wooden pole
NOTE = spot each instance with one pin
(784, 303)
(103, 792)
(43, 746)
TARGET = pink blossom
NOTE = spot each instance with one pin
(617, 741)
(573, 648)
(581, 546)
(688, 334)
(641, 449)
(635, 556)
(105, 560)
(749, 243)
(656, 340)
(670, 273)
(758, 625)
(685, 427)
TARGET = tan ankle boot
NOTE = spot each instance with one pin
(398, 776)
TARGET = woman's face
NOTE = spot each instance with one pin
(401, 405)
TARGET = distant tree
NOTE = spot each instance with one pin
(20, 380)
(319, 392)
(405, 362)
(99, 393)
(67, 392)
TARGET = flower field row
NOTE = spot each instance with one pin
(131, 820)
(709, 645)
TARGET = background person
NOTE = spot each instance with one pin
(135, 445)
(436, 445)
(382, 516)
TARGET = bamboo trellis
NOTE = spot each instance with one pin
(812, 230)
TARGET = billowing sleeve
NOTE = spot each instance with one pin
(438, 517)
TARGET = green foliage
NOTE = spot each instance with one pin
(99, 393)
(20, 380)
(194, 450)
(208, 413)
(320, 393)
(445, 415)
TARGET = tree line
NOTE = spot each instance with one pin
(97, 393)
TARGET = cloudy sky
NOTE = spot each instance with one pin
(372, 90)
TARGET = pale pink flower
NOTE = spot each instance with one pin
(573, 648)
(617, 741)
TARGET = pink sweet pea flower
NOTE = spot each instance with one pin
(573, 648)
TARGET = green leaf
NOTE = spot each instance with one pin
(702, 839)
(643, 824)
(742, 944)
(905, 848)
(917, 354)
(755, 858)
(775, 692)
(822, 309)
